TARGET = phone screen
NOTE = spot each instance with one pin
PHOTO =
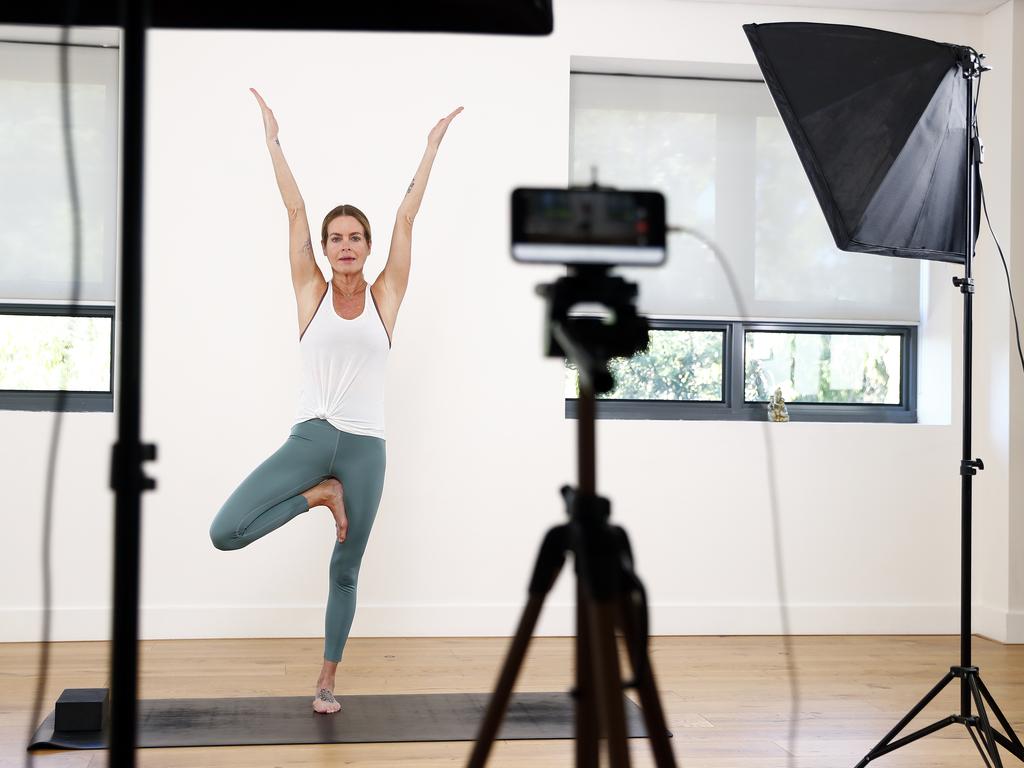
(588, 226)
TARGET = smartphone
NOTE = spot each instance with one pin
(587, 225)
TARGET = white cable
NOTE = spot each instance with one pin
(773, 500)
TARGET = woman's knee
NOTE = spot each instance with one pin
(224, 537)
(345, 575)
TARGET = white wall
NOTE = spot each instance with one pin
(1013, 223)
(991, 308)
(999, 544)
(477, 441)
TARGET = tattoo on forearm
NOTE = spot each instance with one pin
(411, 184)
(276, 141)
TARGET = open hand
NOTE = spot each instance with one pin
(269, 121)
(437, 132)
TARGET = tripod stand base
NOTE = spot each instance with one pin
(986, 738)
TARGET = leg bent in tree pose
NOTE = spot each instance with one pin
(335, 454)
(325, 461)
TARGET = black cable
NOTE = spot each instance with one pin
(1006, 270)
(773, 500)
(44, 661)
(984, 207)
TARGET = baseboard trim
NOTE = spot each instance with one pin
(242, 621)
(989, 622)
(1014, 627)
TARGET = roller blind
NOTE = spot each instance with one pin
(720, 154)
(35, 201)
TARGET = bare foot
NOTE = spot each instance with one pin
(325, 703)
(330, 494)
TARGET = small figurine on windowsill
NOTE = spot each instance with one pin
(777, 407)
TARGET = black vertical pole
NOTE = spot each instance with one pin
(127, 479)
(587, 453)
(966, 468)
(587, 746)
(988, 739)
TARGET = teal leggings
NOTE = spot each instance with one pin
(272, 495)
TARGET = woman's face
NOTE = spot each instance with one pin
(346, 247)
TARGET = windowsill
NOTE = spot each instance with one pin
(74, 402)
(655, 410)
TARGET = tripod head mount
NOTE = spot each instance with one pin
(590, 342)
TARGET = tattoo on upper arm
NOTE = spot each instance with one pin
(411, 184)
(308, 245)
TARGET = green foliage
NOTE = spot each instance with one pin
(50, 353)
(861, 360)
(810, 368)
(677, 365)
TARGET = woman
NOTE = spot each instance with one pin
(335, 453)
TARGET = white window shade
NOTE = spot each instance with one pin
(36, 216)
(719, 152)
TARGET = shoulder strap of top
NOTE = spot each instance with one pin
(316, 311)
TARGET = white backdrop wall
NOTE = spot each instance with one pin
(992, 347)
(477, 440)
(1016, 383)
(1012, 222)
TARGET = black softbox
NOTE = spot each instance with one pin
(884, 126)
(879, 121)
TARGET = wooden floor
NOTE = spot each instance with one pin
(727, 699)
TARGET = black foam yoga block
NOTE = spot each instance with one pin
(81, 709)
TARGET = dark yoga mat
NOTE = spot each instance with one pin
(291, 720)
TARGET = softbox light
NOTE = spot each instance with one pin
(879, 122)
(885, 127)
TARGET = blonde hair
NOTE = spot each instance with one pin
(346, 210)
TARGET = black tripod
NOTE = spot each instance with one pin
(608, 592)
(985, 737)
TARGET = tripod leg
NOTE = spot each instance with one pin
(587, 752)
(609, 680)
(549, 563)
(1012, 743)
(654, 716)
(506, 680)
(879, 748)
(977, 744)
(986, 728)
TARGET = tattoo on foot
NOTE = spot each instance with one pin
(326, 695)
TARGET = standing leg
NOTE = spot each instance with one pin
(360, 465)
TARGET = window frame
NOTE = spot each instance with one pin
(733, 407)
(75, 400)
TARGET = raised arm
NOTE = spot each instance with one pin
(396, 271)
(300, 247)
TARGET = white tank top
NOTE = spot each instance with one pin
(343, 367)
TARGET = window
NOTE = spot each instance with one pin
(835, 331)
(44, 350)
(729, 370)
(45, 344)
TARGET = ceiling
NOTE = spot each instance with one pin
(913, 6)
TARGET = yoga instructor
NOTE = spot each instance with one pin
(335, 454)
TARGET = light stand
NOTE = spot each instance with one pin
(971, 685)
